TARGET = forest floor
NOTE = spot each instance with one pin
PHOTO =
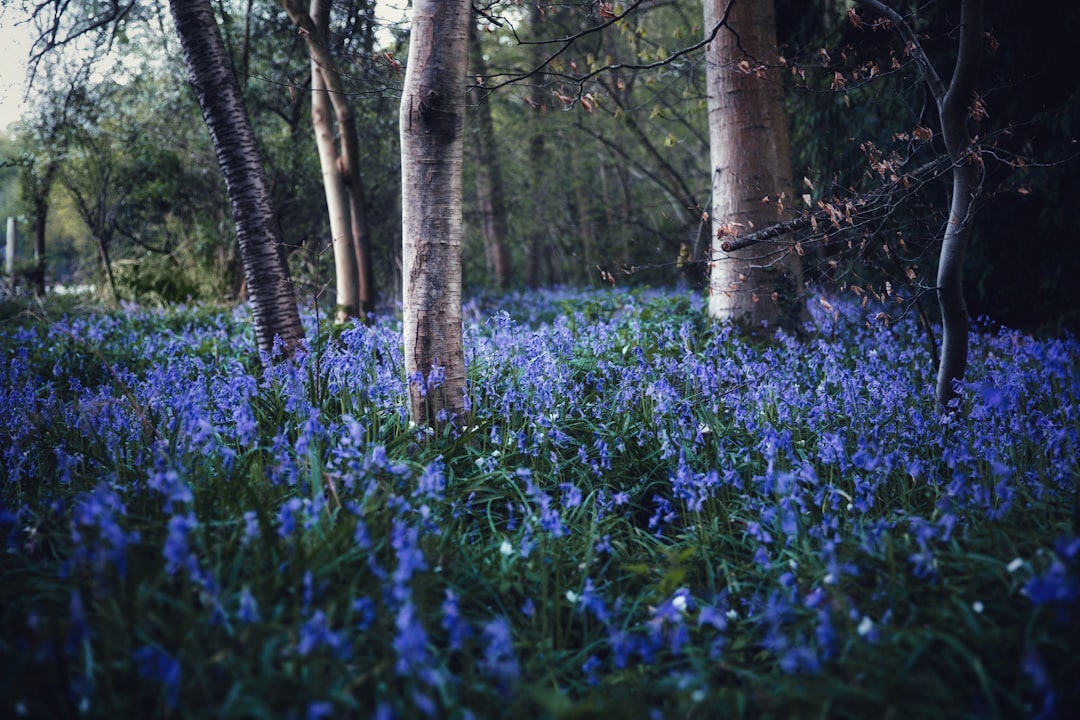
(646, 515)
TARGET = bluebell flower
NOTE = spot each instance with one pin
(177, 550)
(316, 631)
(499, 658)
(456, 628)
(590, 667)
(251, 526)
(153, 663)
(249, 609)
(287, 516)
(364, 607)
(410, 642)
(320, 709)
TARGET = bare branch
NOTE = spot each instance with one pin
(932, 169)
(933, 80)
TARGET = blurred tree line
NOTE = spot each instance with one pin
(588, 168)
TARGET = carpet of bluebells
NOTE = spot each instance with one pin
(647, 515)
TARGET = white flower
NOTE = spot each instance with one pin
(1014, 565)
(977, 606)
(679, 602)
(506, 548)
(865, 626)
(571, 596)
(732, 614)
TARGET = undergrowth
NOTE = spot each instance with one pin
(647, 515)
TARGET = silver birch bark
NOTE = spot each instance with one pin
(341, 159)
(337, 196)
(258, 232)
(751, 160)
(432, 143)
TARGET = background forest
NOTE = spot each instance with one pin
(573, 176)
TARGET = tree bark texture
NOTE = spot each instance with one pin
(432, 143)
(489, 187)
(751, 160)
(258, 232)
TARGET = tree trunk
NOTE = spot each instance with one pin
(952, 106)
(41, 215)
(536, 241)
(314, 22)
(432, 142)
(257, 230)
(338, 208)
(967, 170)
(489, 187)
(751, 160)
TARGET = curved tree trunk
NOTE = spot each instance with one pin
(966, 175)
(751, 160)
(258, 232)
(952, 106)
(432, 142)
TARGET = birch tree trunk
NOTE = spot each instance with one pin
(346, 277)
(258, 232)
(751, 160)
(339, 156)
(432, 142)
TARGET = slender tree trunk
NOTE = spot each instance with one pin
(967, 169)
(489, 186)
(338, 207)
(432, 142)
(257, 230)
(314, 22)
(106, 264)
(535, 244)
(967, 172)
(751, 160)
(41, 214)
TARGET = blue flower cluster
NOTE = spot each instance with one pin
(634, 491)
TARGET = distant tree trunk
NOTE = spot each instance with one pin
(535, 243)
(40, 209)
(751, 160)
(489, 187)
(432, 143)
(314, 22)
(337, 194)
(258, 233)
(39, 254)
(953, 103)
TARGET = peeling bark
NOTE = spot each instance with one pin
(432, 144)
